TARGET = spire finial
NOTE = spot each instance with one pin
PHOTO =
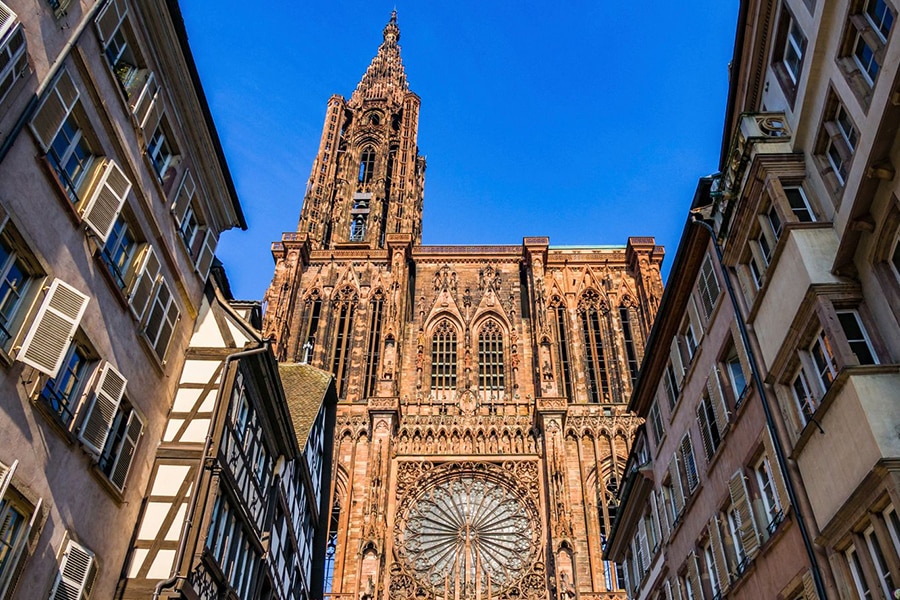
(391, 31)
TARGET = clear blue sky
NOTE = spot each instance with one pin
(583, 120)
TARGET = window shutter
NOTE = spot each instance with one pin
(645, 546)
(164, 314)
(57, 319)
(110, 19)
(737, 488)
(126, 453)
(76, 574)
(106, 200)
(183, 197)
(694, 316)
(677, 491)
(654, 514)
(668, 588)
(690, 467)
(717, 398)
(144, 283)
(108, 394)
(694, 576)
(677, 363)
(207, 254)
(146, 105)
(4, 218)
(6, 475)
(7, 20)
(777, 475)
(56, 107)
(741, 352)
(663, 517)
(704, 429)
(809, 587)
(718, 553)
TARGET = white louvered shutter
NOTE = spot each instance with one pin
(54, 326)
(668, 588)
(146, 105)
(106, 199)
(677, 491)
(694, 576)
(7, 20)
(108, 394)
(6, 475)
(704, 430)
(677, 363)
(645, 545)
(110, 19)
(122, 465)
(76, 574)
(657, 519)
(737, 488)
(718, 553)
(184, 196)
(56, 107)
(207, 254)
(144, 283)
(694, 316)
(777, 477)
(720, 408)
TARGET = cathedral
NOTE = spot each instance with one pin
(481, 430)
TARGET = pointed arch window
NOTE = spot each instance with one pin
(343, 342)
(359, 217)
(443, 357)
(331, 546)
(626, 317)
(596, 360)
(366, 165)
(313, 312)
(558, 306)
(490, 361)
(376, 310)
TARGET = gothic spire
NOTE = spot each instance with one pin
(385, 79)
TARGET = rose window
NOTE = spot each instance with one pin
(468, 533)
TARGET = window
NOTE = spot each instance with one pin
(228, 543)
(373, 353)
(689, 340)
(13, 58)
(709, 428)
(119, 251)
(71, 156)
(708, 286)
(331, 546)
(121, 442)
(738, 554)
(117, 41)
(821, 358)
(313, 311)
(77, 572)
(593, 323)
(163, 316)
(199, 238)
(734, 372)
(800, 208)
(62, 394)
(161, 149)
(807, 400)
(626, 317)
(790, 48)
(366, 165)
(837, 140)
(18, 283)
(857, 337)
(882, 570)
(689, 465)
(709, 561)
(17, 519)
(671, 385)
(359, 216)
(491, 383)
(856, 571)
(443, 358)
(346, 300)
(768, 493)
(862, 50)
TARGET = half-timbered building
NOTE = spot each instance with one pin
(233, 508)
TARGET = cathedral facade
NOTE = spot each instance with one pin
(481, 431)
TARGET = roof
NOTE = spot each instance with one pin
(305, 388)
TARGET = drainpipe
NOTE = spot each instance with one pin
(696, 219)
(48, 79)
(188, 522)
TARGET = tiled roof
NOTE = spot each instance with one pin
(304, 388)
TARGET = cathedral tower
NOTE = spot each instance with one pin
(481, 432)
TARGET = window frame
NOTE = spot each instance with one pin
(768, 493)
(14, 44)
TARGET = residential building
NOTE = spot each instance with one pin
(806, 211)
(113, 193)
(492, 379)
(237, 500)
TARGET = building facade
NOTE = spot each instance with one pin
(481, 432)
(234, 506)
(113, 192)
(806, 211)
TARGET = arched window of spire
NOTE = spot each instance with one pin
(491, 382)
(443, 358)
(366, 165)
(560, 329)
(345, 307)
(593, 318)
(313, 310)
(626, 316)
(373, 352)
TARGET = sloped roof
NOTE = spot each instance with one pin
(304, 388)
